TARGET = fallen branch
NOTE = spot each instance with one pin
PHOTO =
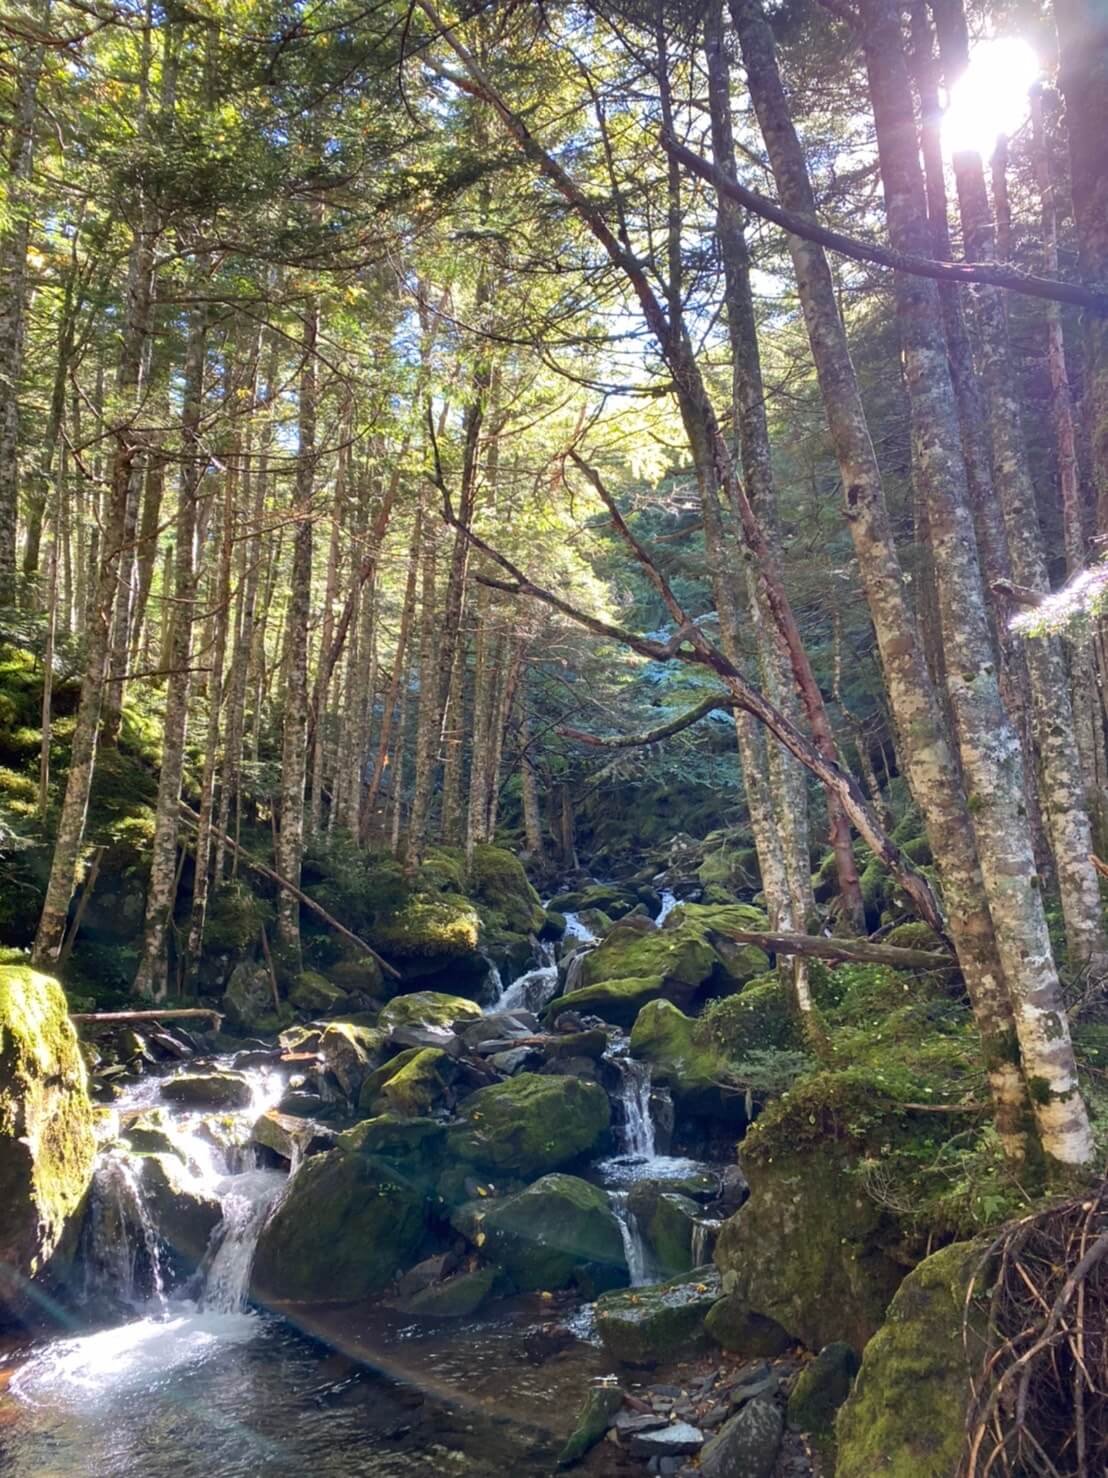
(712, 704)
(853, 951)
(189, 816)
(171, 1013)
(994, 274)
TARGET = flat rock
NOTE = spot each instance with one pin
(223, 1090)
(675, 1439)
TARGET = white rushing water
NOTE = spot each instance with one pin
(669, 903)
(125, 1259)
(533, 991)
(634, 1096)
(634, 1244)
(576, 928)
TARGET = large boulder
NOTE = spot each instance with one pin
(811, 1249)
(433, 1013)
(222, 1089)
(557, 1229)
(346, 1227)
(646, 1326)
(431, 928)
(669, 1223)
(691, 1068)
(530, 1124)
(617, 1001)
(501, 890)
(349, 1053)
(248, 1002)
(47, 1145)
(905, 1417)
(747, 1445)
(316, 995)
(689, 952)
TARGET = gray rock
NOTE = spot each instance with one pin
(768, 1386)
(821, 1388)
(747, 1445)
(290, 1136)
(502, 1025)
(514, 1060)
(222, 1090)
(597, 1410)
(673, 1440)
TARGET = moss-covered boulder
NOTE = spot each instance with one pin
(454, 1298)
(530, 1124)
(668, 1223)
(47, 1143)
(905, 1415)
(316, 995)
(646, 1326)
(500, 888)
(147, 1134)
(733, 1325)
(183, 1210)
(431, 927)
(427, 1008)
(593, 1420)
(345, 1229)
(617, 1001)
(821, 1388)
(557, 1230)
(349, 1053)
(811, 1248)
(248, 1001)
(413, 1146)
(411, 1085)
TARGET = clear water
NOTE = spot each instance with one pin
(533, 991)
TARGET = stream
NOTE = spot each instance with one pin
(170, 1378)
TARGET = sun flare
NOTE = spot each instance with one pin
(990, 99)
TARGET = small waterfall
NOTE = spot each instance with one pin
(634, 1095)
(121, 1251)
(246, 1200)
(634, 1246)
(703, 1241)
(533, 991)
(669, 903)
(575, 929)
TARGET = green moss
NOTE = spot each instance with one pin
(530, 1124)
(47, 1143)
(346, 1227)
(312, 993)
(428, 926)
(430, 1008)
(544, 1236)
(234, 919)
(502, 891)
(617, 1001)
(412, 1084)
(643, 1326)
(905, 1417)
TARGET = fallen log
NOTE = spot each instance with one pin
(189, 816)
(169, 1014)
(851, 951)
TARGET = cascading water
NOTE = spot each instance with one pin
(634, 1244)
(669, 903)
(638, 1123)
(246, 1203)
(704, 1234)
(121, 1250)
(533, 991)
(576, 928)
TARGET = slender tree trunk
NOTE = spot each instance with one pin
(932, 773)
(429, 719)
(453, 751)
(290, 846)
(151, 979)
(529, 790)
(396, 684)
(14, 239)
(1062, 780)
(990, 749)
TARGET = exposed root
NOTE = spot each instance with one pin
(1036, 1333)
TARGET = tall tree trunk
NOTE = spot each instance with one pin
(290, 842)
(14, 239)
(397, 686)
(151, 978)
(1062, 780)
(429, 719)
(990, 748)
(529, 790)
(932, 772)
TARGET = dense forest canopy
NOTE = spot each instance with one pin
(667, 442)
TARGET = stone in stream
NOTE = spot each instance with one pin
(501, 1025)
(515, 1060)
(216, 1090)
(315, 994)
(428, 1008)
(644, 1326)
(290, 1137)
(597, 1410)
(184, 1212)
(557, 1230)
(456, 1297)
(47, 1145)
(747, 1445)
(413, 1083)
(530, 1124)
(146, 1133)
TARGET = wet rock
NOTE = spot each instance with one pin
(216, 1090)
(597, 1410)
(556, 1230)
(515, 1060)
(668, 1222)
(430, 1270)
(530, 1124)
(588, 1044)
(299, 1039)
(255, 1057)
(734, 1189)
(501, 1025)
(318, 996)
(290, 1137)
(675, 1439)
(47, 1144)
(413, 1144)
(346, 1227)
(541, 1345)
(747, 1445)
(455, 1298)
(821, 1388)
(146, 1133)
(426, 1018)
(643, 1326)
(184, 1211)
(303, 1105)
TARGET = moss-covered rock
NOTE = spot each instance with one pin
(501, 890)
(214, 1090)
(248, 1002)
(47, 1143)
(349, 1053)
(346, 1227)
(597, 1410)
(411, 1085)
(437, 927)
(821, 1388)
(315, 994)
(645, 1326)
(427, 1008)
(558, 1229)
(184, 1211)
(530, 1124)
(454, 1298)
(667, 1221)
(617, 1001)
(733, 1325)
(412, 1145)
(147, 1134)
(905, 1415)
